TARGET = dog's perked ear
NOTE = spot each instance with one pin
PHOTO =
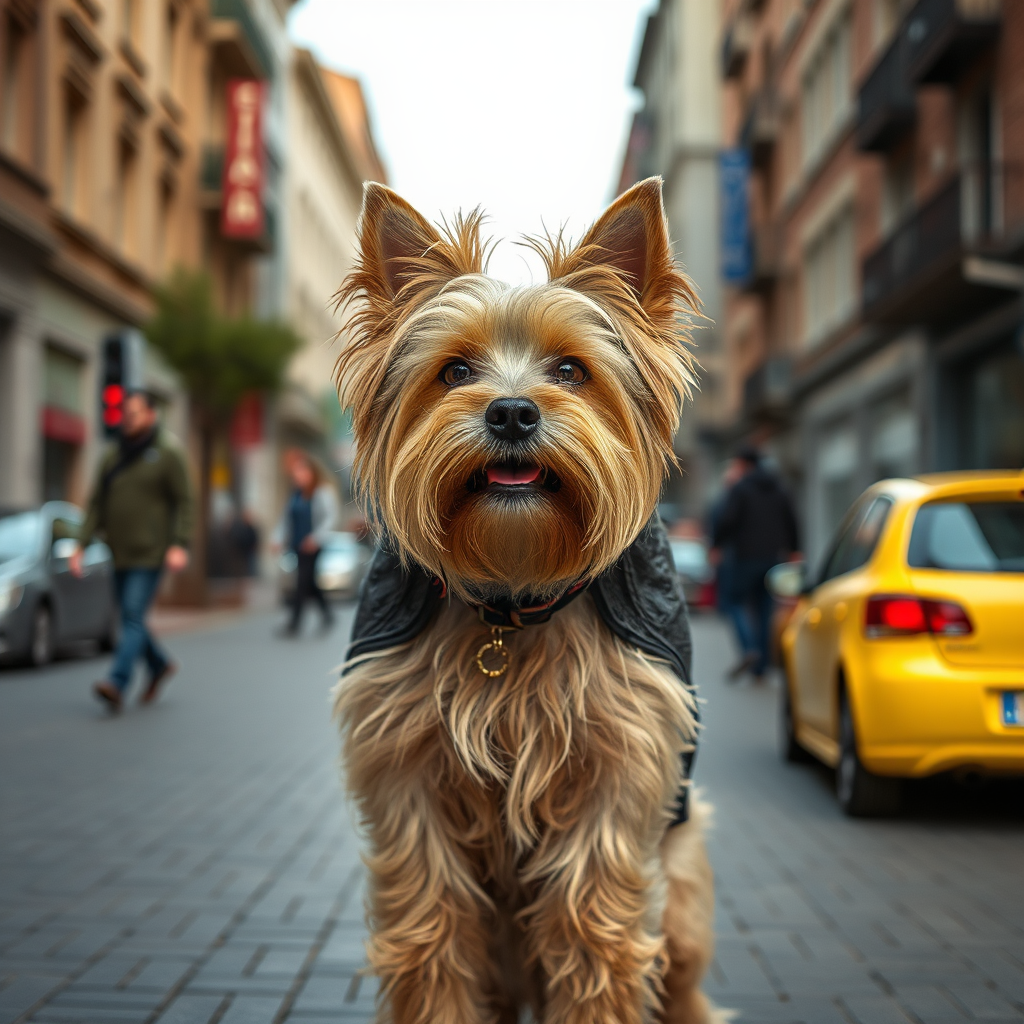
(392, 238)
(624, 262)
(632, 236)
(631, 239)
(403, 261)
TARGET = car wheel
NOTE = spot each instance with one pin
(790, 749)
(861, 794)
(41, 643)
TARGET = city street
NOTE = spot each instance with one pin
(195, 862)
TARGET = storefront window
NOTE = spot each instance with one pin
(837, 473)
(894, 438)
(63, 425)
(997, 411)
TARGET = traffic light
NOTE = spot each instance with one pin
(120, 373)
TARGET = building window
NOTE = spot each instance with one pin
(165, 226)
(837, 464)
(73, 143)
(996, 428)
(126, 187)
(897, 191)
(894, 438)
(827, 91)
(13, 74)
(63, 424)
(830, 285)
(170, 43)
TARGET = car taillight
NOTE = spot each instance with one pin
(897, 615)
(946, 618)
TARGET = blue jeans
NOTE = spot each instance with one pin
(726, 599)
(135, 590)
(750, 609)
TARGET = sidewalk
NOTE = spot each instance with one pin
(259, 595)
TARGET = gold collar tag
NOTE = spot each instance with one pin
(495, 644)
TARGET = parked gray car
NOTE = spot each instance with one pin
(43, 605)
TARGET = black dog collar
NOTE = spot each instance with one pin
(510, 616)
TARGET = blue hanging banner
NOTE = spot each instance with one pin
(734, 173)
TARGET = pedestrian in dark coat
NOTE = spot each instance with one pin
(309, 517)
(142, 505)
(758, 524)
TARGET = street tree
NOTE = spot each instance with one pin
(220, 360)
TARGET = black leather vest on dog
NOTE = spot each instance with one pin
(639, 598)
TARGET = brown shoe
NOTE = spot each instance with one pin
(108, 694)
(153, 690)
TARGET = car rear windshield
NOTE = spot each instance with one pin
(976, 536)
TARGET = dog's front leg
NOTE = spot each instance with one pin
(586, 926)
(429, 943)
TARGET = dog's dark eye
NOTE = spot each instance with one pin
(455, 373)
(570, 372)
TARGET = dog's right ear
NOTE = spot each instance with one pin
(403, 262)
(394, 243)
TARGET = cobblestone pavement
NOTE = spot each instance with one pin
(194, 862)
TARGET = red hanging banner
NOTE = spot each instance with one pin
(242, 210)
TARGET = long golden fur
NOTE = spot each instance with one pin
(517, 825)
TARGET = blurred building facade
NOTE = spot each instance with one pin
(114, 127)
(873, 315)
(99, 181)
(331, 153)
(676, 134)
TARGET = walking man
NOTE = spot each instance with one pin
(142, 504)
(758, 523)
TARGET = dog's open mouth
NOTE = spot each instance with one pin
(513, 478)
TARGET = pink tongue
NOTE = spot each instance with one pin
(522, 475)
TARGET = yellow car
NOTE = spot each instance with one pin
(905, 657)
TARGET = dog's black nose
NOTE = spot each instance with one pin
(512, 419)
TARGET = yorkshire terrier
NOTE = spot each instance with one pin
(516, 708)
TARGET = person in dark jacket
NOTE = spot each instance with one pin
(723, 558)
(142, 505)
(309, 517)
(758, 524)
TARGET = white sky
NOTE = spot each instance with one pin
(520, 106)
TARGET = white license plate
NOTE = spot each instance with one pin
(1013, 707)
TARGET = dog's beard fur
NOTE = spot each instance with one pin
(603, 445)
(514, 823)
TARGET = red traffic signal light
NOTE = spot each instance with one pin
(120, 373)
(113, 400)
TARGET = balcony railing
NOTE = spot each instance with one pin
(916, 273)
(886, 105)
(946, 36)
(761, 126)
(238, 10)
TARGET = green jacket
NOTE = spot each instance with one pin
(147, 506)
